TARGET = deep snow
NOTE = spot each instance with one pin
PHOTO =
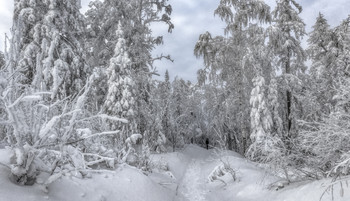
(178, 176)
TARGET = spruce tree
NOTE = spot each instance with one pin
(136, 16)
(165, 97)
(261, 121)
(47, 45)
(321, 80)
(318, 41)
(120, 100)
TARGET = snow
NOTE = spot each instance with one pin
(108, 185)
(32, 98)
(112, 118)
(133, 138)
(176, 176)
(48, 126)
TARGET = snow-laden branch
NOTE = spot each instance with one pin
(101, 134)
(45, 129)
(101, 159)
(27, 98)
(16, 101)
(105, 116)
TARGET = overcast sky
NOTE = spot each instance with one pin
(193, 17)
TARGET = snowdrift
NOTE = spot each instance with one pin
(181, 175)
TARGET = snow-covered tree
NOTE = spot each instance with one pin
(2, 60)
(318, 41)
(165, 92)
(120, 100)
(321, 80)
(136, 17)
(46, 87)
(273, 100)
(285, 36)
(44, 58)
(230, 61)
(261, 121)
(179, 112)
(325, 142)
(46, 50)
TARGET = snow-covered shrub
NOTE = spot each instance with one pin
(136, 153)
(132, 150)
(144, 159)
(54, 135)
(343, 164)
(160, 143)
(23, 170)
(160, 164)
(222, 170)
(326, 143)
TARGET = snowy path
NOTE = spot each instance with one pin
(191, 185)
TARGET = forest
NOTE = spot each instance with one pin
(78, 94)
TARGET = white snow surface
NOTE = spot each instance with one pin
(178, 176)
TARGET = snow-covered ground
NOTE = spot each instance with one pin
(178, 176)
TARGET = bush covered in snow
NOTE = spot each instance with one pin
(222, 170)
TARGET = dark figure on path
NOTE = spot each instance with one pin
(207, 142)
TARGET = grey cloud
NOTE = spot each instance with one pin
(191, 18)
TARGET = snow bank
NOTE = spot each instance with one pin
(126, 183)
(179, 176)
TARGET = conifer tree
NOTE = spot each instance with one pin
(178, 112)
(318, 42)
(46, 74)
(261, 121)
(47, 45)
(136, 16)
(165, 97)
(262, 136)
(120, 100)
(321, 79)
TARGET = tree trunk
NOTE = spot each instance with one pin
(242, 126)
(289, 106)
